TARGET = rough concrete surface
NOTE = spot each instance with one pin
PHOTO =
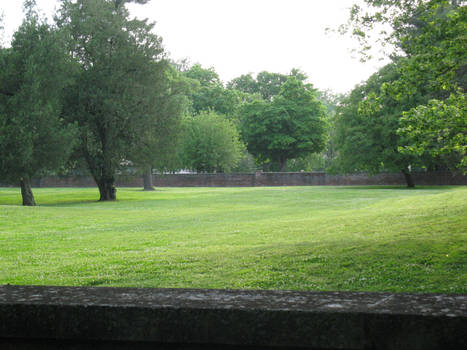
(121, 318)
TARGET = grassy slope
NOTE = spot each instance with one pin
(307, 238)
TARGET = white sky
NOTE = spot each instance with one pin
(247, 36)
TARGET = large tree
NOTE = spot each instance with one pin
(366, 129)
(33, 73)
(292, 124)
(429, 46)
(437, 63)
(158, 140)
(112, 99)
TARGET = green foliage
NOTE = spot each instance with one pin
(327, 157)
(303, 238)
(266, 84)
(289, 126)
(439, 129)
(216, 98)
(33, 73)
(210, 143)
(430, 51)
(159, 139)
(437, 64)
(205, 76)
(366, 128)
(246, 163)
(211, 95)
(330, 100)
(120, 63)
(309, 162)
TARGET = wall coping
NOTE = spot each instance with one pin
(254, 319)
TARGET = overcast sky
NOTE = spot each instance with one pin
(247, 36)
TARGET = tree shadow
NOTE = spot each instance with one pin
(396, 187)
(69, 203)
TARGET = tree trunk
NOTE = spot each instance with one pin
(107, 190)
(26, 192)
(147, 180)
(408, 178)
(283, 165)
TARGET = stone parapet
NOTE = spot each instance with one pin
(77, 318)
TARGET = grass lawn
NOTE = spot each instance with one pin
(299, 238)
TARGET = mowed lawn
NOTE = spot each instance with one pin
(296, 238)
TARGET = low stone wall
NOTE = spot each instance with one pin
(204, 180)
(83, 181)
(130, 318)
(261, 179)
(303, 179)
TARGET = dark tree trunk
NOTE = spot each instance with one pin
(147, 180)
(26, 192)
(408, 178)
(101, 167)
(107, 189)
(283, 165)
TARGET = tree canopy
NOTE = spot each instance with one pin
(366, 129)
(211, 95)
(290, 125)
(33, 74)
(266, 84)
(159, 138)
(113, 98)
(429, 48)
(210, 143)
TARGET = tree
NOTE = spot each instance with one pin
(289, 126)
(245, 83)
(159, 139)
(437, 63)
(211, 93)
(438, 129)
(33, 73)
(210, 143)
(429, 44)
(113, 97)
(266, 84)
(366, 129)
(216, 98)
(326, 158)
(205, 76)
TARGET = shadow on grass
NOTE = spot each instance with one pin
(69, 203)
(102, 282)
(395, 187)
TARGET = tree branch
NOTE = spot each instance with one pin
(6, 93)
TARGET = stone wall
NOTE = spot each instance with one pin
(303, 179)
(261, 179)
(78, 318)
(83, 181)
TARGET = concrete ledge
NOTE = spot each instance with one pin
(131, 318)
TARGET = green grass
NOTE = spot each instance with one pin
(299, 238)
